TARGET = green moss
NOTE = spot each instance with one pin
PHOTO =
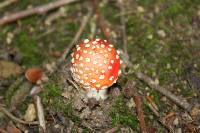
(53, 100)
(121, 115)
(31, 55)
(146, 2)
(11, 90)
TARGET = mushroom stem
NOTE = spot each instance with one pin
(97, 94)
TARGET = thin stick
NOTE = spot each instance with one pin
(113, 130)
(123, 27)
(77, 36)
(100, 19)
(40, 112)
(159, 119)
(130, 91)
(138, 102)
(6, 112)
(7, 3)
(36, 10)
(178, 100)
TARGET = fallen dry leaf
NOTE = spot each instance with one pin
(30, 113)
(34, 74)
(12, 129)
(8, 69)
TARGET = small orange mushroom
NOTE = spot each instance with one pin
(34, 74)
(95, 66)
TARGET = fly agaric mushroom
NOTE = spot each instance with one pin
(95, 66)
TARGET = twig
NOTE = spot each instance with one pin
(60, 13)
(178, 100)
(138, 102)
(40, 112)
(7, 3)
(36, 10)
(123, 27)
(77, 36)
(130, 91)
(159, 119)
(100, 19)
(73, 83)
(113, 130)
(6, 112)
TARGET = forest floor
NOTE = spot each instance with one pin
(163, 42)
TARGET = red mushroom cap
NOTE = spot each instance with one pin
(95, 64)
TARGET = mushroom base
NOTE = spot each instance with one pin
(97, 94)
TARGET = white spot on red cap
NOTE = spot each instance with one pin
(101, 77)
(86, 41)
(94, 62)
(81, 58)
(109, 67)
(119, 72)
(98, 85)
(103, 71)
(109, 49)
(93, 81)
(94, 42)
(85, 51)
(87, 69)
(121, 61)
(111, 78)
(112, 61)
(72, 60)
(118, 51)
(72, 54)
(97, 39)
(79, 48)
(87, 59)
(77, 56)
(87, 45)
(106, 55)
(102, 45)
(97, 71)
(117, 56)
(97, 46)
(111, 45)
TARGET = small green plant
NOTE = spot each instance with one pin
(121, 115)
